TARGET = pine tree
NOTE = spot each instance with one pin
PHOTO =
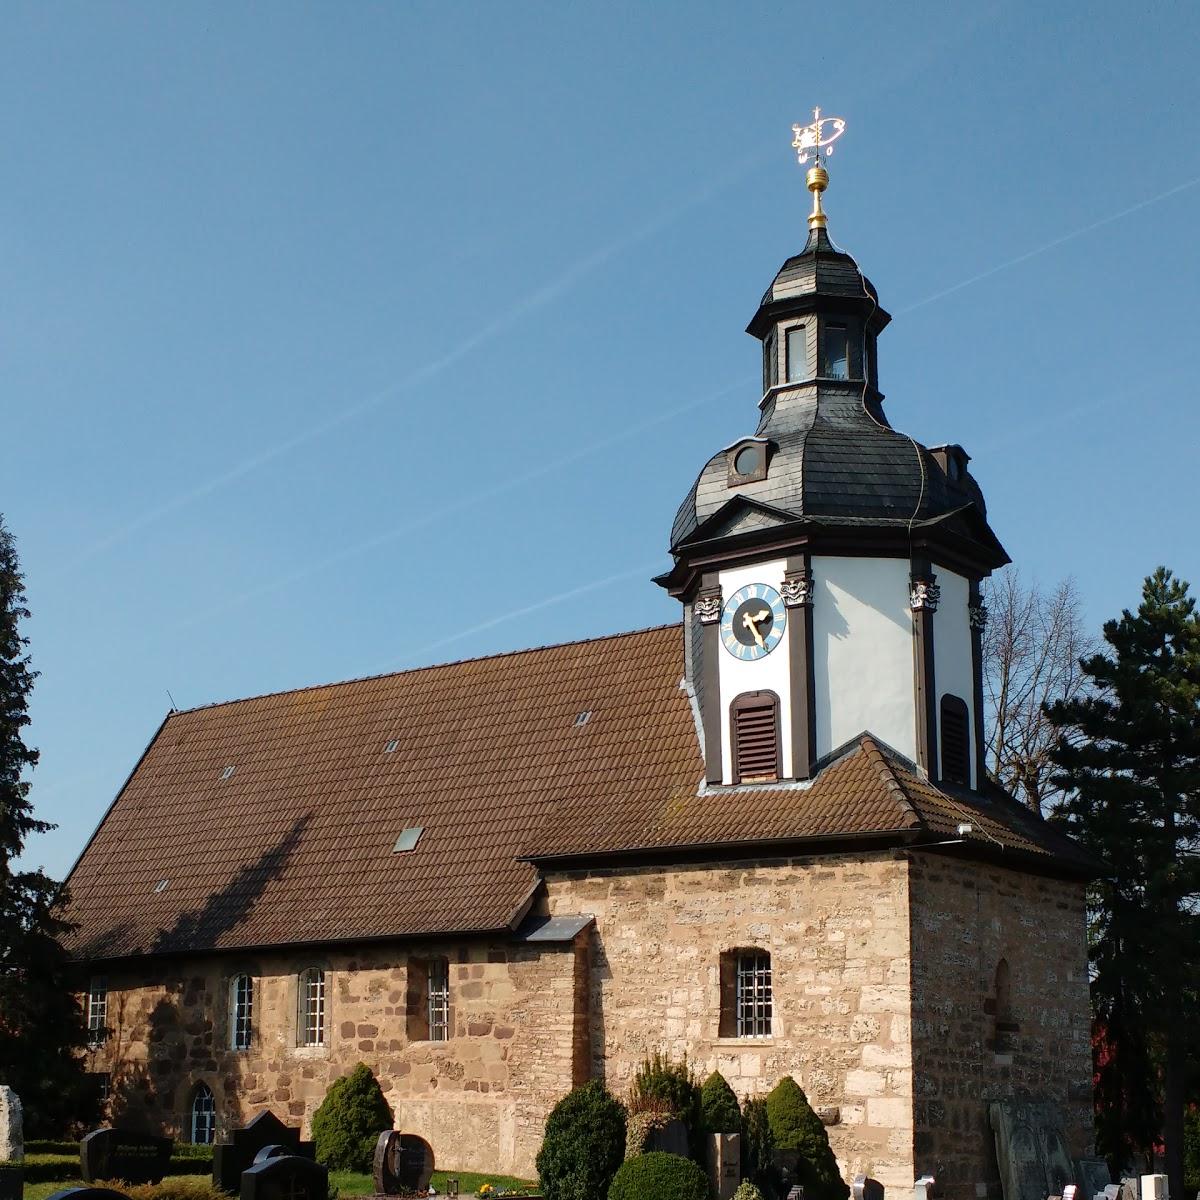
(41, 1027)
(1130, 756)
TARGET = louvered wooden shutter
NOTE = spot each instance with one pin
(756, 737)
(956, 742)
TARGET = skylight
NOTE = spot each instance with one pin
(408, 839)
(227, 773)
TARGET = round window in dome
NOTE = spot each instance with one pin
(748, 459)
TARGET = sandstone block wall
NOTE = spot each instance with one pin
(837, 929)
(480, 1098)
(966, 917)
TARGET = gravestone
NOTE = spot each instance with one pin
(866, 1188)
(925, 1188)
(288, 1177)
(231, 1158)
(12, 1141)
(797, 1192)
(724, 1164)
(672, 1138)
(1093, 1176)
(124, 1155)
(269, 1152)
(1031, 1149)
(88, 1193)
(1129, 1187)
(1154, 1187)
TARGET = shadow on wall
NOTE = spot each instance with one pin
(154, 1056)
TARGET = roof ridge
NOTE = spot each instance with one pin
(891, 781)
(455, 662)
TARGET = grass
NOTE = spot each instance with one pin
(348, 1183)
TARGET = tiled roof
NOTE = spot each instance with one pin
(493, 758)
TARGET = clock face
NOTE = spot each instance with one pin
(753, 621)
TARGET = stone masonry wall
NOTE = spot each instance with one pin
(966, 918)
(480, 1098)
(837, 930)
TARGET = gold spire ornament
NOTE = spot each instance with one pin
(809, 141)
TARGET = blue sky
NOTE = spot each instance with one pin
(341, 338)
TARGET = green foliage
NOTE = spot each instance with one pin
(638, 1128)
(1128, 754)
(758, 1145)
(584, 1144)
(42, 1034)
(658, 1176)
(1191, 1151)
(351, 1117)
(719, 1112)
(747, 1191)
(796, 1126)
(661, 1082)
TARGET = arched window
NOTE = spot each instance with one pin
(754, 733)
(956, 741)
(310, 1005)
(204, 1115)
(241, 1012)
(1004, 1024)
(746, 1000)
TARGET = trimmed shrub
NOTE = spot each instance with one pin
(747, 1191)
(658, 1176)
(758, 1144)
(659, 1083)
(796, 1126)
(638, 1128)
(719, 1112)
(351, 1117)
(583, 1145)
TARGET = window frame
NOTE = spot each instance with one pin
(202, 1115)
(956, 705)
(828, 330)
(754, 1002)
(801, 372)
(241, 1011)
(311, 1009)
(437, 1000)
(97, 1011)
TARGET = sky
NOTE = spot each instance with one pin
(342, 338)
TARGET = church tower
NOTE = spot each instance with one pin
(830, 566)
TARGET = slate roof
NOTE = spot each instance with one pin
(495, 761)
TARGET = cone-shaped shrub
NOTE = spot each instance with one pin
(747, 1191)
(795, 1126)
(351, 1117)
(583, 1145)
(719, 1112)
(659, 1176)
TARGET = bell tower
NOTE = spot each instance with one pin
(829, 566)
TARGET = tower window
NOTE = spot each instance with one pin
(747, 462)
(310, 1007)
(770, 361)
(97, 1011)
(204, 1115)
(835, 350)
(956, 741)
(797, 354)
(754, 719)
(746, 1003)
(241, 1012)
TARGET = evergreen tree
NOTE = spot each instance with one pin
(41, 1027)
(1129, 754)
(796, 1126)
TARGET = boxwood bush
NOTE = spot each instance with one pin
(796, 1126)
(719, 1112)
(351, 1117)
(659, 1176)
(583, 1145)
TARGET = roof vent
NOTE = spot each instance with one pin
(583, 718)
(408, 839)
(227, 773)
(392, 746)
(161, 886)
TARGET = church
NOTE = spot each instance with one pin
(763, 837)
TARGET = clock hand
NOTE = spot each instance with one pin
(751, 620)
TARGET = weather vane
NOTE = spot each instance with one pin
(809, 142)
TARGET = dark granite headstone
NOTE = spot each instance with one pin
(269, 1152)
(231, 1158)
(12, 1182)
(1093, 1176)
(866, 1188)
(88, 1193)
(403, 1163)
(286, 1178)
(672, 1138)
(1031, 1149)
(121, 1154)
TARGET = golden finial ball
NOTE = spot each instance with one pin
(818, 179)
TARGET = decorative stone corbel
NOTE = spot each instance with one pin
(797, 588)
(924, 595)
(708, 606)
(977, 614)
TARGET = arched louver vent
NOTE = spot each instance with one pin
(956, 741)
(755, 717)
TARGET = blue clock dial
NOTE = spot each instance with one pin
(753, 621)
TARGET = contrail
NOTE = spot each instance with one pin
(548, 602)
(444, 510)
(1058, 241)
(533, 301)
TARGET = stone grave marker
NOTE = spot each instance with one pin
(866, 1188)
(1093, 1176)
(724, 1164)
(797, 1192)
(1129, 1188)
(925, 1188)
(1154, 1187)
(88, 1193)
(672, 1138)
(287, 1177)
(1031, 1149)
(269, 1152)
(231, 1158)
(12, 1141)
(124, 1155)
